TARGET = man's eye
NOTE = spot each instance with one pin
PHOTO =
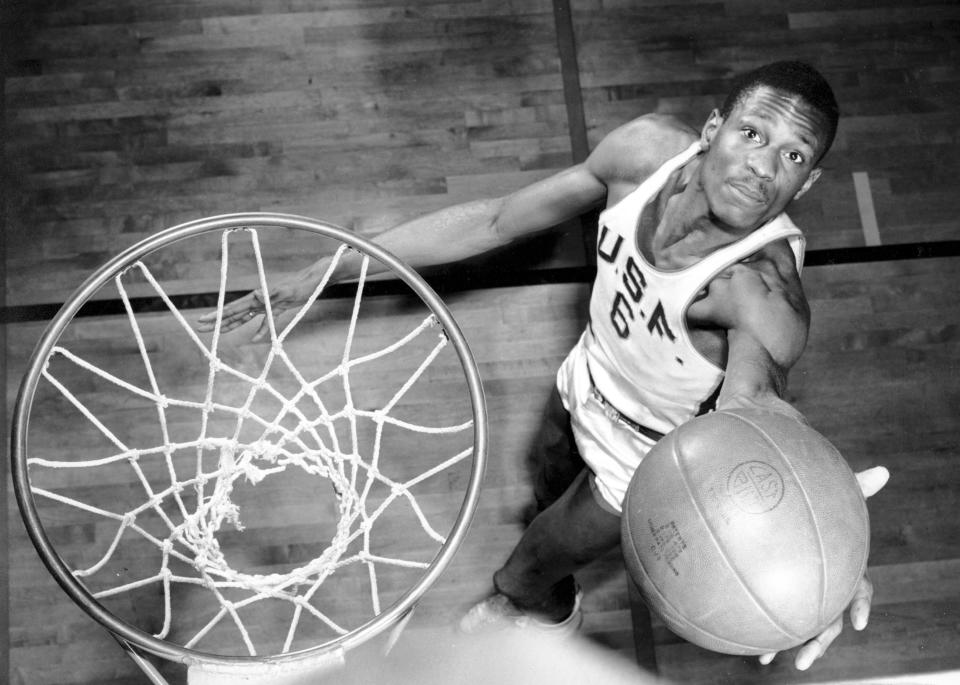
(750, 134)
(796, 158)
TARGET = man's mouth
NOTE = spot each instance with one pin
(751, 192)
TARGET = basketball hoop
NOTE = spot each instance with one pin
(198, 441)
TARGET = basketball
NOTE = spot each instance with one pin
(745, 531)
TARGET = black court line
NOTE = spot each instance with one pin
(8, 13)
(459, 279)
(576, 119)
(883, 253)
(570, 72)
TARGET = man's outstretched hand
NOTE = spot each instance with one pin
(871, 481)
(235, 314)
(289, 293)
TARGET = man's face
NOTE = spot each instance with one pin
(760, 157)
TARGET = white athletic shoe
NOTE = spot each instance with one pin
(497, 612)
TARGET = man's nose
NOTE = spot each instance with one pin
(763, 163)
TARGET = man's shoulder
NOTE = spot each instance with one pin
(636, 149)
(663, 129)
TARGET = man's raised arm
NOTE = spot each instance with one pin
(441, 237)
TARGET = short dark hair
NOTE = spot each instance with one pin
(794, 78)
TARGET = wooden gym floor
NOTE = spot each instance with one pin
(123, 117)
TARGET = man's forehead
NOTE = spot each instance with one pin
(771, 104)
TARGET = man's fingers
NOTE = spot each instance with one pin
(251, 302)
(234, 314)
(815, 649)
(872, 480)
(281, 317)
(860, 607)
(246, 309)
(226, 325)
(263, 332)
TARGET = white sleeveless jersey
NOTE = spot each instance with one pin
(637, 348)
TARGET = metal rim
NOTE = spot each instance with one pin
(21, 417)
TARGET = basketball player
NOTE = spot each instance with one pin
(697, 281)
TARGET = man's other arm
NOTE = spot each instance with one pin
(761, 305)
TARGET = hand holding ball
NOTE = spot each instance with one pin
(746, 531)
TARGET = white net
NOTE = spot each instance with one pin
(231, 494)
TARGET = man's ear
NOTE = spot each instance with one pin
(714, 121)
(811, 179)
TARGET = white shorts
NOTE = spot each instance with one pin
(610, 448)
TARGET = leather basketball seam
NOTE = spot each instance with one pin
(651, 586)
(811, 512)
(681, 467)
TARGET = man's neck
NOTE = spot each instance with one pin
(692, 212)
(687, 214)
